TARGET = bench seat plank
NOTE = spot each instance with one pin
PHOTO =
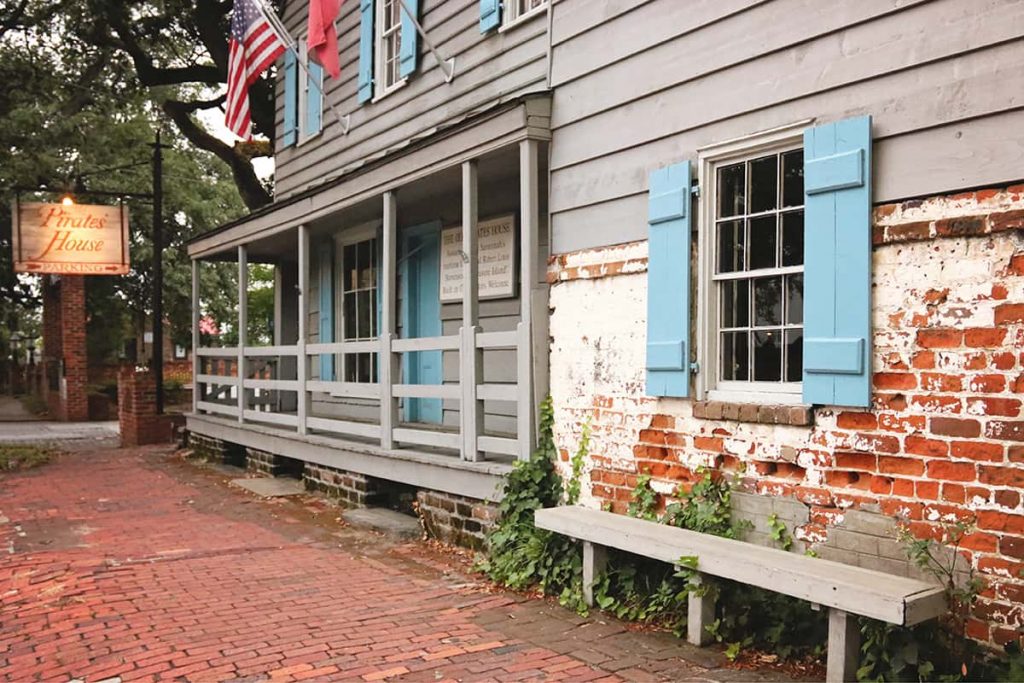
(894, 599)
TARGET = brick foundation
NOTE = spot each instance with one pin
(136, 410)
(268, 464)
(456, 519)
(944, 438)
(351, 489)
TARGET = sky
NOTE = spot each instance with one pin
(213, 119)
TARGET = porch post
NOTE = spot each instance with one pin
(470, 359)
(302, 360)
(387, 371)
(243, 324)
(196, 365)
(529, 205)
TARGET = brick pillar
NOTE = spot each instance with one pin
(73, 350)
(136, 410)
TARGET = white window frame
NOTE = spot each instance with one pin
(359, 233)
(303, 87)
(511, 15)
(381, 88)
(708, 384)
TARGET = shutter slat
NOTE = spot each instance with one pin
(409, 45)
(668, 282)
(490, 15)
(291, 98)
(326, 309)
(837, 263)
(365, 89)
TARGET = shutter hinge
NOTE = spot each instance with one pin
(694, 368)
(695, 190)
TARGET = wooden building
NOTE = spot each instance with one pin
(779, 238)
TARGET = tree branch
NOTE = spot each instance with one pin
(249, 186)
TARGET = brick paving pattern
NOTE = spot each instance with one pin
(133, 564)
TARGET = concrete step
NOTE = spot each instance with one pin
(269, 487)
(384, 521)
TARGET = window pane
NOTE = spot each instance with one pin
(348, 279)
(767, 301)
(793, 238)
(373, 314)
(351, 371)
(762, 242)
(794, 355)
(794, 299)
(365, 265)
(764, 184)
(363, 328)
(349, 315)
(363, 367)
(767, 356)
(731, 182)
(793, 178)
(731, 244)
(735, 356)
(736, 303)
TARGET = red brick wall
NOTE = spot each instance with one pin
(943, 440)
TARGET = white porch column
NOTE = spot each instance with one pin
(387, 371)
(470, 359)
(243, 324)
(302, 360)
(529, 247)
(196, 364)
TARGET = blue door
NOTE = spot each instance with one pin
(421, 289)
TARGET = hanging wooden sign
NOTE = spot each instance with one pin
(78, 239)
(496, 258)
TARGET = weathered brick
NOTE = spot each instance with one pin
(939, 338)
(951, 471)
(948, 426)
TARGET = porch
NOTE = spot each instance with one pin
(379, 360)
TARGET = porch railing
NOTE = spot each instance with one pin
(217, 390)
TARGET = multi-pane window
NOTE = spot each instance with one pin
(758, 268)
(359, 307)
(516, 9)
(389, 43)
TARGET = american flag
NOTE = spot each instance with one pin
(253, 46)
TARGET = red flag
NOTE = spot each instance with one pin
(322, 38)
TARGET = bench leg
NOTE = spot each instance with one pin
(843, 646)
(700, 611)
(595, 558)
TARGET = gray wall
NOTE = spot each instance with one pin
(490, 68)
(641, 84)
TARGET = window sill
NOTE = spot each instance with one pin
(524, 18)
(391, 89)
(309, 137)
(794, 415)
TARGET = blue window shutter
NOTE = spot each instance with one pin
(837, 263)
(314, 99)
(668, 281)
(409, 46)
(326, 309)
(365, 92)
(291, 97)
(490, 15)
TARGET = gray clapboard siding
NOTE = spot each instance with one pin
(716, 37)
(490, 68)
(860, 53)
(903, 103)
(940, 73)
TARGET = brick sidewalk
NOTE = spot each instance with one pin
(132, 564)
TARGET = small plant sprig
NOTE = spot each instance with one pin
(779, 532)
(644, 504)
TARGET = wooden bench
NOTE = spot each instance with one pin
(843, 589)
